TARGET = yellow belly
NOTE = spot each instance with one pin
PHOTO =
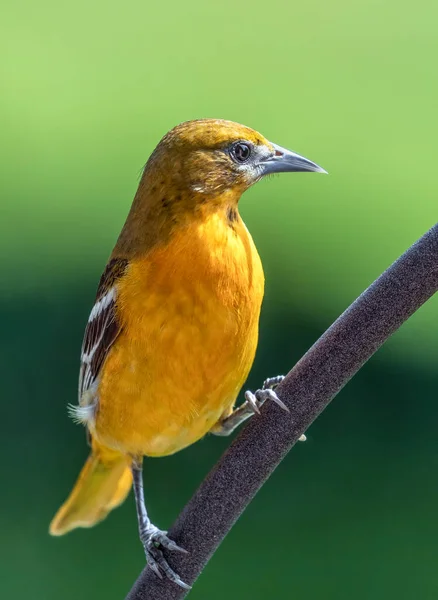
(190, 313)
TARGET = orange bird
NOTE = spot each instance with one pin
(173, 332)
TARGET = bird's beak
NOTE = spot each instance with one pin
(284, 161)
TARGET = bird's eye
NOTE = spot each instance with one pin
(241, 152)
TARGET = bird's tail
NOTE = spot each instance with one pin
(103, 484)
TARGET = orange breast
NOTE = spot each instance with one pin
(190, 313)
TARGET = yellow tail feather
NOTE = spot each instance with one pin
(103, 484)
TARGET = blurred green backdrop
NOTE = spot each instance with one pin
(88, 89)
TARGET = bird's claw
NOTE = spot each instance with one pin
(153, 540)
(251, 399)
(256, 399)
(269, 394)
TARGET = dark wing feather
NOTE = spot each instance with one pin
(102, 328)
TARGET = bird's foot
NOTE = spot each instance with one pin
(153, 540)
(255, 400)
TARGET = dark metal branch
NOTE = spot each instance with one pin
(307, 390)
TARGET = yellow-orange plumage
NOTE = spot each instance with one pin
(173, 333)
(102, 485)
(190, 313)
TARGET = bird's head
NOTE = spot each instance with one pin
(213, 157)
(200, 167)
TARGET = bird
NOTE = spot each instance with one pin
(173, 332)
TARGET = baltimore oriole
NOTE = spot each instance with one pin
(173, 331)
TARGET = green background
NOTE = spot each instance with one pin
(88, 89)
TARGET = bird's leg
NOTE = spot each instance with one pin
(252, 404)
(152, 537)
(227, 425)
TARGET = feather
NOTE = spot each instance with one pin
(100, 334)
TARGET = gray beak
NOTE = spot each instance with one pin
(285, 161)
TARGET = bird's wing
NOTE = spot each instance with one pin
(103, 327)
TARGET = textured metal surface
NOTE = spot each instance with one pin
(307, 390)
